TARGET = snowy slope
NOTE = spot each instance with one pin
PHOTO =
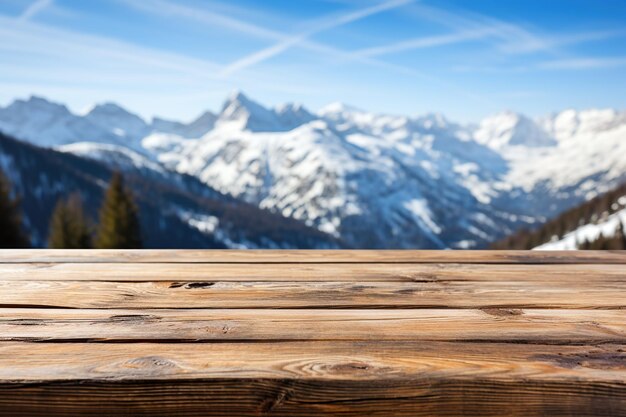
(606, 227)
(116, 156)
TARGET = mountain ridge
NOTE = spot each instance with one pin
(381, 180)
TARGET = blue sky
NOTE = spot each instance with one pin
(176, 58)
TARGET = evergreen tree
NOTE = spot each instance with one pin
(69, 229)
(11, 234)
(620, 236)
(119, 219)
(605, 243)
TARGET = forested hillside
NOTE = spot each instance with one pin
(179, 214)
(596, 224)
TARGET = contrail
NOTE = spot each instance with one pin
(35, 7)
(283, 45)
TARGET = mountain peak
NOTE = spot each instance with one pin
(509, 128)
(242, 113)
(236, 95)
(338, 107)
(204, 117)
(433, 120)
(236, 103)
(39, 99)
(40, 104)
(117, 120)
(201, 125)
(109, 107)
(238, 98)
(570, 122)
(291, 107)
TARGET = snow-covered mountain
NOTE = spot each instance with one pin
(586, 160)
(44, 123)
(174, 214)
(508, 129)
(376, 182)
(240, 113)
(113, 118)
(372, 180)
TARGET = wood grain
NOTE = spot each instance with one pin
(323, 294)
(315, 378)
(233, 396)
(528, 325)
(267, 256)
(338, 360)
(312, 333)
(311, 272)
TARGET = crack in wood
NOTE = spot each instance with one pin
(594, 360)
(502, 312)
(133, 318)
(192, 285)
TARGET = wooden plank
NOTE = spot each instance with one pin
(230, 396)
(415, 333)
(227, 294)
(527, 325)
(310, 256)
(330, 360)
(311, 272)
(315, 378)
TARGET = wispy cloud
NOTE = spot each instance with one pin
(216, 19)
(84, 50)
(43, 40)
(286, 41)
(426, 42)
(325, 25)
(583, 63)
(212, 18)
(201, 15)
(166, 8)
(34, 8)
(513, 46)
(564, 64)
(552, 42)
(61, 62)
(510, 38)
(466, 21)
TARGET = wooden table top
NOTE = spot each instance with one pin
(295, 333)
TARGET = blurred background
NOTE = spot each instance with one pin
(313, 124)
